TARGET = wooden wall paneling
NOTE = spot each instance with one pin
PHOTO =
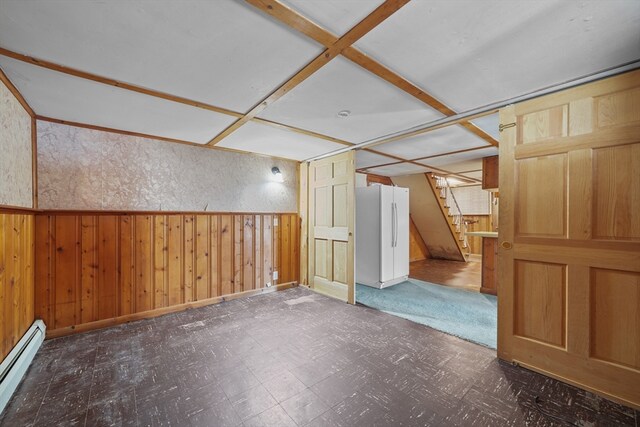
(143, 263)
(28, 273)
(175, 259)
(275, 238)
(267, 253)
(203, 257)
(109, 254)
(226, 254)
(284, 249)
(126, 268)
(4, 288)
(248, 251)
(158, 286)
(16, 278)
(189, 254)
(259, 265)
(95, 266)
(238, 246)
(90, 268)
(215, 287)
(43, 268)
(65, 264)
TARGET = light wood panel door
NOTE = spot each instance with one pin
(569, 255)
(331, 222)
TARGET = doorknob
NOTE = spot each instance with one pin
(506, 245)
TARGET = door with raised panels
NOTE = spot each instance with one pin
(569, 255)
(331, 222)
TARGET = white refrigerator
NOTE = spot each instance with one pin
(382, 235)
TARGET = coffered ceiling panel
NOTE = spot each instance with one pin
(375, 107)
(64, 97)
(470, 53)
(439, 141)
(337, 16)
(364, 159)
(398, 170)
(265, 139)
(225, 53)
(443, 161)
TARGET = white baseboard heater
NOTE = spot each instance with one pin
(14, 366)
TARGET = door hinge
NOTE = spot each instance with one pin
(507, 126)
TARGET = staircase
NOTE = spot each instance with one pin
(451, 208)
(436, 215)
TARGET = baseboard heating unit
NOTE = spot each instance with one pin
(14, 366)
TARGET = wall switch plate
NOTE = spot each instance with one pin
(275, 221)
(275, 275)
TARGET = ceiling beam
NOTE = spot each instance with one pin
(431, 168)
(309, 28)
(382, 12)
(448, 153)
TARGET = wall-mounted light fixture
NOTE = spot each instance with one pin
(277, 174)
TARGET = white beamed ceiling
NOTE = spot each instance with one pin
(227, 53)
(470, 53)
(60, 96)
(398, 169)
(376, 107)
(436, 142)
(337, 16)
(443, 161)
(365, 159)
(272, 141)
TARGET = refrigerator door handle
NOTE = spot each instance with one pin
(393, 221)
(395, 217)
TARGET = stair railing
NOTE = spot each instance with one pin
(453, 208)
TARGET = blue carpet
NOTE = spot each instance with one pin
(468, 315)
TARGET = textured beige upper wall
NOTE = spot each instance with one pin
(83, 169)
(15, 152)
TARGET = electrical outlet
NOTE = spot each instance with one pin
(268, 284)
(275, 275)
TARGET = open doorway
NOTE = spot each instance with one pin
(439, 280)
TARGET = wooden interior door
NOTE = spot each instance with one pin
(569, 254)
(331, 222)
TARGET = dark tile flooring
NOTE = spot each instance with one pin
(290, 358)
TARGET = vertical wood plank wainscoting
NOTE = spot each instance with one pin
(16, 278)
(95, 269)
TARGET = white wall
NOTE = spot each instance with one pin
(15, 152)
(473, 200)
(93, 170)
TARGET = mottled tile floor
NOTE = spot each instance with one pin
(290, 358)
